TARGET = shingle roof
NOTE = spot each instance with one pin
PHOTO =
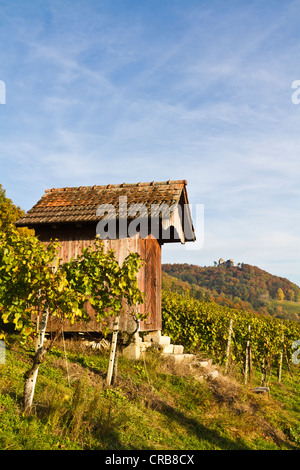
(79, 204)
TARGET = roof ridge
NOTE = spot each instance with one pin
(117, 186)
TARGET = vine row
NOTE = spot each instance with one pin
(203, 327)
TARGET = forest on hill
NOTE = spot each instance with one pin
(243, 286)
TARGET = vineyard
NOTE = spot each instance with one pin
(243, 287)
(203, 327)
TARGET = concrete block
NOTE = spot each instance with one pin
(153, 336)
(164, 341)
(144, 345)
(212, 375)
(261, 390)
(132, 352)
(181, 358)
(168, 349)
(158, 339)
(185, 357)
(203, 364)
(178, 349)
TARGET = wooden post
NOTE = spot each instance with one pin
(288, 364)
(250, 364)
(280, 360)
(115, 366)
(247, 356)
(228, 344)
(264, 372)
(113, 348)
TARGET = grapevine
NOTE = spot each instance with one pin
(202, 326)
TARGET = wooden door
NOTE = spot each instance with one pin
(152, 285)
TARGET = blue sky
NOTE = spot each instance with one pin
(112, 91)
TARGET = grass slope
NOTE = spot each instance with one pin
(152, 406)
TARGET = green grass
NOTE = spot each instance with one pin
(151, 406)
(291, 307)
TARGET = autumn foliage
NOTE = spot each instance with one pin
(243, 286)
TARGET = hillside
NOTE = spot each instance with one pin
(243, 286)
(156, 404)
(152, 406)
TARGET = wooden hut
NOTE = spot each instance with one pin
(138, 217)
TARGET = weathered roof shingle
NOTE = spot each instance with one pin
(79, 204)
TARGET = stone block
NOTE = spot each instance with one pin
(212, 375)
(132, 352)
(262, 390)
(178, 349)
(144, 345)
(164, 341)
(181, 358)
(158, 339)
(168, 349)
(203, 364)
(152, 336)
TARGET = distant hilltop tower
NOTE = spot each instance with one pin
(229, 263)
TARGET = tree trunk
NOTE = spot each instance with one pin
(30, 378)
(115, 367)
(228, 345)
(247, 356)
(250, 365)
(113, 348)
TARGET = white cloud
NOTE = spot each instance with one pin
(101, 93)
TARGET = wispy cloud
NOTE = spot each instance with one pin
(106, 92)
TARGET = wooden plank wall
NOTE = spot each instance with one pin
(149, 278)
